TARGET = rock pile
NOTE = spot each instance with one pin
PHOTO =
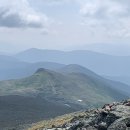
(115, 116)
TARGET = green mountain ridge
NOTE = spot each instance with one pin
(74, 68)
(77, 88)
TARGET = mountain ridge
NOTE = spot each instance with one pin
(102, 64)
(53, 85)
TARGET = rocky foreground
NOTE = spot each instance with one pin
(115, 116)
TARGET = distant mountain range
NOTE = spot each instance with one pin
(12, 68)
(123, 79)
(102, 64)
(27, 62)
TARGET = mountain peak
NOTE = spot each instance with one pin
(41, 70)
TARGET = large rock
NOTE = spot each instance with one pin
(120, 124)
(114, 116)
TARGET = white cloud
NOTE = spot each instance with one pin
(109, 15)
(103, 9)
(18, 13)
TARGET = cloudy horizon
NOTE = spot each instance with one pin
(65, 25)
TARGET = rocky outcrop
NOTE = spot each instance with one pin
(115, 116)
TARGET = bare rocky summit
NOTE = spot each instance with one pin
(115, 116)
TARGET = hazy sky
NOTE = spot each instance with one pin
(64, 24)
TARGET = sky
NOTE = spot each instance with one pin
(99, 25)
